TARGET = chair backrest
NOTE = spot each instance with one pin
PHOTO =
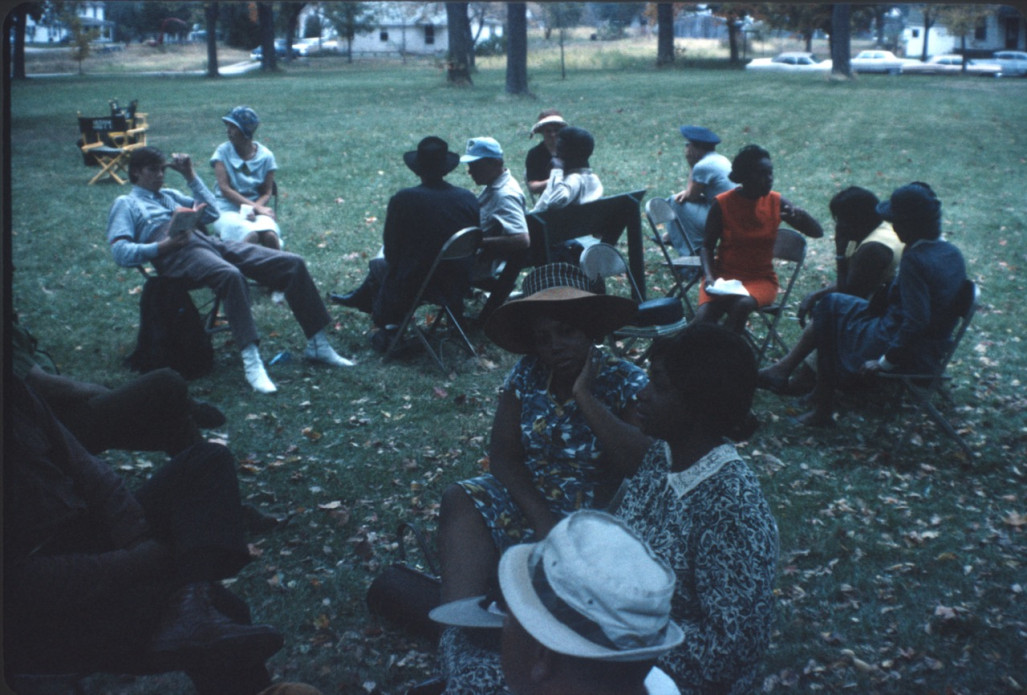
(601, 261)
(101, 127)
(790, 246)
(659, 213)
(605, 218)
(463, 244)
(963, 308)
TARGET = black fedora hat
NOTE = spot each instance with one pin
(432, 158)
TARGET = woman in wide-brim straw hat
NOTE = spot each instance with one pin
(565, 425)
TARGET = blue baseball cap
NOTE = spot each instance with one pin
(244, 118)
(697, 133)
(482, 148)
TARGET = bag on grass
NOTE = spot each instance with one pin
(171, 332)
(403, 594)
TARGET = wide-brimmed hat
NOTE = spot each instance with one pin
(244, 118)
(476, 611)
(592, 589)
(913, 202)
(563, 290)
(696, 133)
(432, 158)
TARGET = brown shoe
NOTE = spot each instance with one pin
(191, 625)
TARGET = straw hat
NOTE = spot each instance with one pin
(592, 589)
(564, 291)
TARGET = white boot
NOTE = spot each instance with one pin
(255, 373)
(318, 350)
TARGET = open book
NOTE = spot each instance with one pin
(184, 219)
(722, 286)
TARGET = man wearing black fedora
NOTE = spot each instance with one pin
(418, 222)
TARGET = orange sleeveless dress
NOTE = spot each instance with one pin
(746, 248)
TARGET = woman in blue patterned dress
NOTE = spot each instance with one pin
(700, 508)
(564, 430)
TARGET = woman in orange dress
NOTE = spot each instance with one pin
(740, 233)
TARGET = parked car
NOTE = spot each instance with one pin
(1013, 63)
(258, 52)
(790, 62)
(951, 64)
(884, 62)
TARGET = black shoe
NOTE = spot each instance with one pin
(191, 625)
(356, 299)
(257, 522)
(381, 339)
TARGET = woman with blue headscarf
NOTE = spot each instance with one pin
(245, 173)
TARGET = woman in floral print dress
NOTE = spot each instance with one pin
(700, 508)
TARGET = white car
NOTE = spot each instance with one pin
(1012, 63)
(951, 64)
(790, 62)
(884, 62)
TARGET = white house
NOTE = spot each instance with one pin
(50, 29)
(407, 28)
(1003, 29)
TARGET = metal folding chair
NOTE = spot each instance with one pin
(922, 387)
(685, 271)
(461, 246)
(789, 248)
(656, 318)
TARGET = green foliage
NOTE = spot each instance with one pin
(897, 574)
(494, 45)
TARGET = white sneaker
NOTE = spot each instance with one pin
(318, 350)
(255, 373)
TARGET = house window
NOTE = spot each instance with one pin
(383, 36)
(429, 35)
(981, 31)
(916, 33)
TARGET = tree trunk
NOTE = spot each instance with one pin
(266, 21)
(928, 23)
(732, 38)
(211, 15)
(459, 67)
(665, 33)
(516, 48)
(808, 37)
(841, 51)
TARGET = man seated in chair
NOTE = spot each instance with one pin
(418, 222)
(707, 179)
(506, 240)
(138, 231)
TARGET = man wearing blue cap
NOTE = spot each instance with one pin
(707, 179)
(506, 240)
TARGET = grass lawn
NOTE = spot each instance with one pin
(898, 574)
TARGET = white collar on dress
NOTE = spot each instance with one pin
(683, 482)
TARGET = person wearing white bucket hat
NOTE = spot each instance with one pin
(588, 611)
(539, 161)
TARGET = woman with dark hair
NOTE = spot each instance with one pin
(741, 229)
(867, 255)
(855, 339)
(571, 181)
(696, 503)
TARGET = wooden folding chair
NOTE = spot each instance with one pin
(107, 142)
(655, 318)
(685, 271)
(789, 248)
(461, 246)
(922, 387)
